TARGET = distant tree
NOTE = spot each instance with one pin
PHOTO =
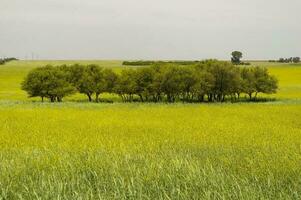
(296, 59)
(236, 56)
(289, 60)
(5, 60)
(281, 60)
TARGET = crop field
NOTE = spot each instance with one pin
(81, 150)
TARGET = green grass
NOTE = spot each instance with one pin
(149, 151)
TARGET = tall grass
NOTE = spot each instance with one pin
(155, 151)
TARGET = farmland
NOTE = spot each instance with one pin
(81, 150)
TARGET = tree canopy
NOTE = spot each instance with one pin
(50, 82)
(210, 80)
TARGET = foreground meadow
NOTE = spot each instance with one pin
(149, 151)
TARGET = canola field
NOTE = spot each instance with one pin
(80, 150)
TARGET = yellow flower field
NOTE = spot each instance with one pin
(80, 150)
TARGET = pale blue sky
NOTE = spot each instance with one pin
(149, 29)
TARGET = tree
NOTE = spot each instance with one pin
(216, 80)
(88, 80)
(81, 80)
(157, 92)
(248, 82)
(188, 79)
(296, 59)
(144, 79)
(126, 84)
(257, 80)
(264, 83)
(236, 56)
(97, 81)
(110, 80)
(50, 82)
(225, 76)
(34, 83)
(170, 82)
(5, 60)
(204, 84)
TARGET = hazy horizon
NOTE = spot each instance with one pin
(141, 29)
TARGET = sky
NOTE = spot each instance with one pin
(149, 29)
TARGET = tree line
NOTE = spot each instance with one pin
(5, 60)
(148, 62)
(287, 60)
(206, 81)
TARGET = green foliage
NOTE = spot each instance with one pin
(126, 84)
(144, 83)
(264, 83)
(110, 79)
(50, 82)
(209, 80)
(89, 80)
(248, 81)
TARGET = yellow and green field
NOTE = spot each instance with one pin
(80, 150)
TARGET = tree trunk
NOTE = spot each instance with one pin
(250, 95)
(223, 98)
(209, 97)
(97, 97)
(141, 97)
(168, 98)
(90, 98)
(201, 98)
(42, 99)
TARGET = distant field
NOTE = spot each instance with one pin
(149, 151)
